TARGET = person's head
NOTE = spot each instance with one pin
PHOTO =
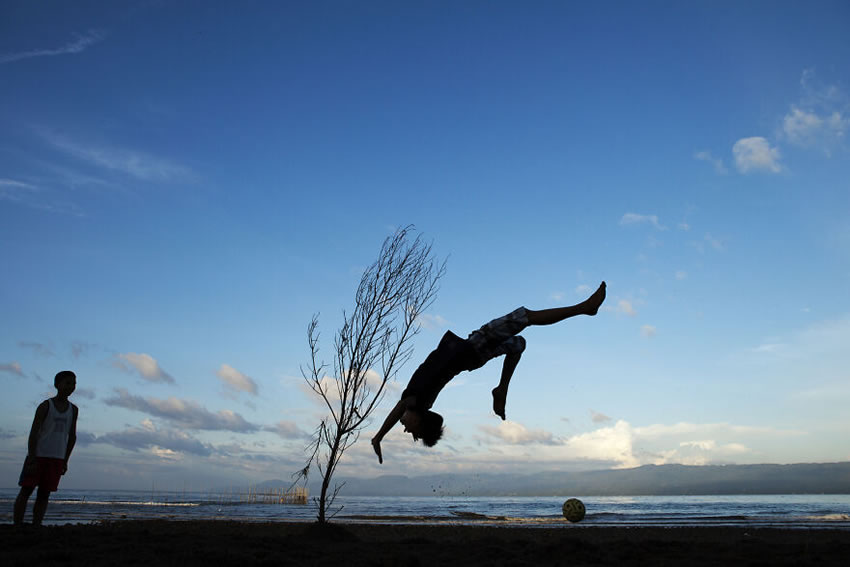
(427, 425)
(65, 382)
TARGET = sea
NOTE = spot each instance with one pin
(830, 511)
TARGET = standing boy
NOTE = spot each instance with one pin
(454, 355)
(52, 438)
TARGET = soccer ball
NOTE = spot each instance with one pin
(574, 510)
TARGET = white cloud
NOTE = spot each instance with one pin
(683, 226)
(144, 364)
(235, 380)
(79, 45)
(755, 154)
(634, 218)
(606, 444)
(681, 275)
(583, 289)
(800, 126)
(706, 156)
(647, 331)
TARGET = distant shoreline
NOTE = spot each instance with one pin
(188, 543)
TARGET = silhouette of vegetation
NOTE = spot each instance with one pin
(369, 349)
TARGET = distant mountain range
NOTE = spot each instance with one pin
(817, 478)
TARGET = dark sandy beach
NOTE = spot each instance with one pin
(213, 543)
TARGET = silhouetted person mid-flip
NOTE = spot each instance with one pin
(454, 355)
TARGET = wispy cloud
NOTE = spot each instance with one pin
(80, 348)
(162, 442)
(517, 434)
(432, 322)
(185, 413)
(79, 45)
(144, 364)
(708, 241)
(821, 118)
(38, 349)
(134, 163)
(598, 417)
(706, 156)
(756, 154)
(647, 331)
(634, 218)
(235, 380)
(33, 196)
(12, 368)
(625, 307)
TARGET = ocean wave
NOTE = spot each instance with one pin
(124, 503)
(829, 518)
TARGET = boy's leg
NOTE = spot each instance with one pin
(587, 307)
(21, 504)
(40, 506)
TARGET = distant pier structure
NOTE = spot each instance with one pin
(255, 495)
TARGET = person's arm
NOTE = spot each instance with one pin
(392, 418)
(37, 422)
(72, 437)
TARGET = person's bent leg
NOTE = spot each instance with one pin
(40, 506)
(589, 306)
(21, 504)
(500, 392)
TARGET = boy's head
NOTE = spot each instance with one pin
(65, 382)
(427, 425)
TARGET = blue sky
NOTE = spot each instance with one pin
(183, 184)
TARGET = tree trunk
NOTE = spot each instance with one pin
(326, 481)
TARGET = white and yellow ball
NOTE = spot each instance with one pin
(574, 510)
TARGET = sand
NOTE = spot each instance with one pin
(214, 543)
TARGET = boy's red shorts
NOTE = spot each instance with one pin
(45, 474)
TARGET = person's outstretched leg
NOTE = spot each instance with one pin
(589, 306)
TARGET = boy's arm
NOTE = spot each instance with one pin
(392, 418)
(72, 437)
(37, 421)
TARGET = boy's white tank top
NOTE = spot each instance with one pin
(53, 437)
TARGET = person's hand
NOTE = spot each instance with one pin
(64, 467)
(376, 445)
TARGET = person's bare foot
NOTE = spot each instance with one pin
(594, 301)
(499, 399)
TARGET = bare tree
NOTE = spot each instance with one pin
(369, 349)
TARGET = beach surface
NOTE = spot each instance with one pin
(213, 543)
